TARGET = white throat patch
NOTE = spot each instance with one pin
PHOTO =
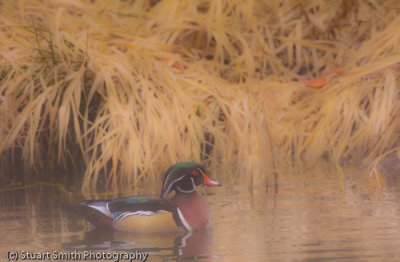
(190, 190)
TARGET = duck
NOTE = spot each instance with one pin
(186, 211)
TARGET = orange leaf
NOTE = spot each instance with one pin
(320, 81)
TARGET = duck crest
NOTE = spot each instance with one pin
(184, 177)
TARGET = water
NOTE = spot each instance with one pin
(307, 216)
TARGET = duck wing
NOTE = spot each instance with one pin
(136, 214)
(140, 204)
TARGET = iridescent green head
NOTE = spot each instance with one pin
(184, 177)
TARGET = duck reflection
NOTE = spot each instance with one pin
(183, 245)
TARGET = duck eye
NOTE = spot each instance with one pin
(195, 173)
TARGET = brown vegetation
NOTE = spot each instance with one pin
(130, 87)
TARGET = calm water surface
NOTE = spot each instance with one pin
(306, 216)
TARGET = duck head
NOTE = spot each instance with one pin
(184, 177)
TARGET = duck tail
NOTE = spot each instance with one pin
(96, 212)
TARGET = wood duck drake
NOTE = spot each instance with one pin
(187, 210)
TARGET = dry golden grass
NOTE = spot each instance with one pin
(130, 87)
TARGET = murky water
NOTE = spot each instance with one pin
(308, 216)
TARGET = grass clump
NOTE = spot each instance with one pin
(125, 88)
